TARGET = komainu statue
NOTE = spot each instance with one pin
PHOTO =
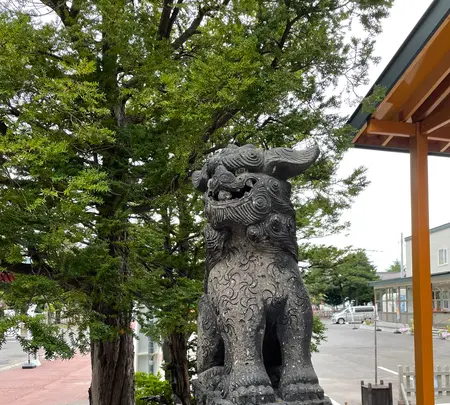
(255, 317)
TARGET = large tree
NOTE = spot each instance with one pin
(337, 275)
(106, 107)
(395, 267)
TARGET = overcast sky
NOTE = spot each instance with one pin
(382, 212)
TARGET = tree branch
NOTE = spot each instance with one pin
(21, 268)
(16, 183)
(220, 121)
(66, 15)
(173, 18)
(51, 55)
(193, 28)
(3, 128)
(27, 269)
(141, 209)
(164, 20)
(168, 18)
(282, 42)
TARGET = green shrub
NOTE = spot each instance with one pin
(148, 385)
(318, 334)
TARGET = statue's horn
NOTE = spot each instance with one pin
(284, 163)
(200, 180)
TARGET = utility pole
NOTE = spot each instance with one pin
(398, 318)
(401, 257)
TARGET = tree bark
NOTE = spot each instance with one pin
(112, 360)
(178, 367)
(112, 372)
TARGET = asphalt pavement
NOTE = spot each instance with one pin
(348, 357)
(11, 355)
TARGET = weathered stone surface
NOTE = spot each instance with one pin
(255, 318)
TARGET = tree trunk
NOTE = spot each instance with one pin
(178, 367)
(112, 372)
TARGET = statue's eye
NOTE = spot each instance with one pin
(241, 170)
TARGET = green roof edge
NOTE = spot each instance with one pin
(431, 20)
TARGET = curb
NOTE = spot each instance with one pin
(371, 327)
(11, 366)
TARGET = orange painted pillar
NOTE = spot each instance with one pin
(421, 277)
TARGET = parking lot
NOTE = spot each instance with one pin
(348, 357)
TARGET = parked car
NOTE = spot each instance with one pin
(354, 314)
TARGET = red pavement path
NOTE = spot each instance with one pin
(53, 383)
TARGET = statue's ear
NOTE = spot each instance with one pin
(200, 180)
(284, 163)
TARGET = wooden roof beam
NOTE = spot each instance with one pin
(361, 132)
(378, 140)
(442, 134)
(380, 127)
(445, 148)
(427, 87)
(440, 118)
(433, 102)
(388, 139)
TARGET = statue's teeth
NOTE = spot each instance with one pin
(224, 195)
(249, 183)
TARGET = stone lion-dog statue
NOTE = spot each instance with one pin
(255, 317)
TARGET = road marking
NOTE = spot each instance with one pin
(11, 366)
(334, 402)
(387, 370)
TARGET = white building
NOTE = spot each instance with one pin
(394, 296)
(148, 354)
(439, 246)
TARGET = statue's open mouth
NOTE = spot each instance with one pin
(232, 192)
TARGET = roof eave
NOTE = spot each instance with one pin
(436, 13)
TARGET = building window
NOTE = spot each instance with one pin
(441, 299)
(436, 300)
(442, 257)
(445, 296)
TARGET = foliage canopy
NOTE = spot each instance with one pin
(339, 274)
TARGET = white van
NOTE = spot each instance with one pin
(354, 314)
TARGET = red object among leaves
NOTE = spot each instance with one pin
(6, 277)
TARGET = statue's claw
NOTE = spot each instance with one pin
(301, 385)
(250, 384)
(254, 395)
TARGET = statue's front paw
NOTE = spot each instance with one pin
(298, 375)
(253, 394)
(250, 384)
(302, 392)
(211, 378)
(301, 385)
